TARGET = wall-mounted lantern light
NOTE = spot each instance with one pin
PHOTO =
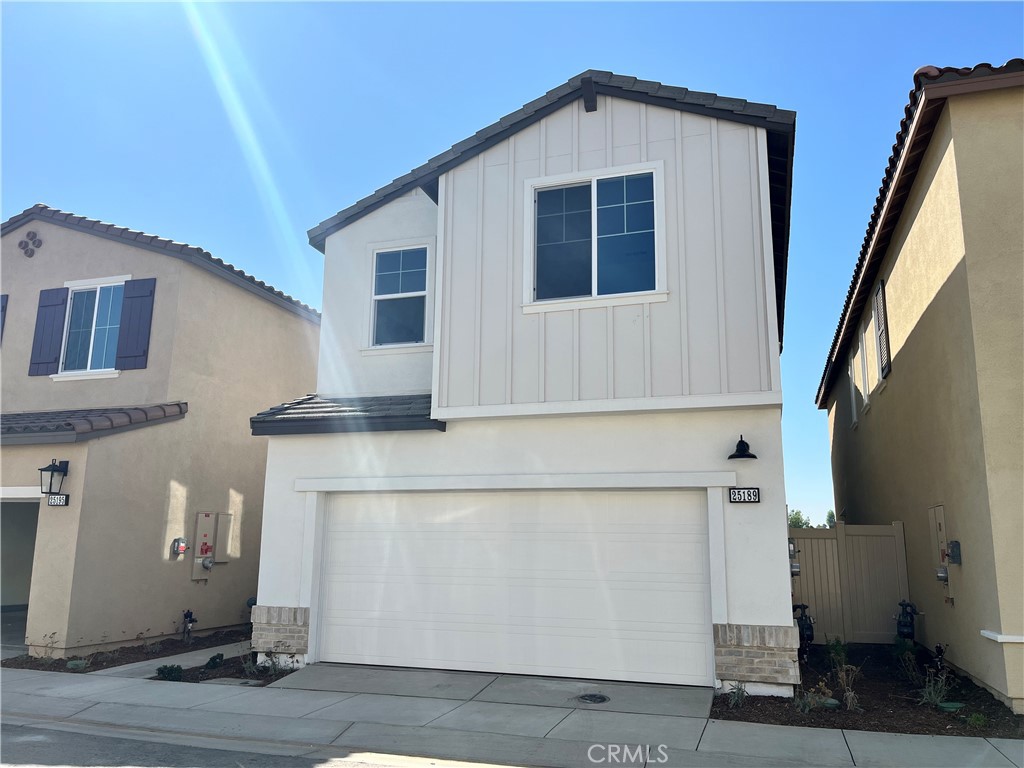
(51, 478)
(742, 450)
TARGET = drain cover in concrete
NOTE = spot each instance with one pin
(593, 698)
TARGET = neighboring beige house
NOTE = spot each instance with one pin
(540, 350)
(923, 381)
(137, 360)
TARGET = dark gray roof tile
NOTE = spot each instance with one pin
(78, 424)
(312, 414)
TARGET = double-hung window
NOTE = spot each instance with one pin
(93, 325)
(595, 238)
(400, 296)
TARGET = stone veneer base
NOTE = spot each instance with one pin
(756, 653)
(278, 629)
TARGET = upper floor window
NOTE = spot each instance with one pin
(400, 296)
(94, 322)
(581, 254)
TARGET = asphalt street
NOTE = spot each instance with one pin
(23, 746)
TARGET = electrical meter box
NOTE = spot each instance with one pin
(204, 544)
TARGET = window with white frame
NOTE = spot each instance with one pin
(595, 237)
(92, 328)
(399, 296)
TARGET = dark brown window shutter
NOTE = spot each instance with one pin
(136, 323)
(882, 329)
(3, 314)
(49, 335)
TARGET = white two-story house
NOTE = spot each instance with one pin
(539, 353)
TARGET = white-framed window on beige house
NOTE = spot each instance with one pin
(595, 238)
(851, 369)
(865, 379)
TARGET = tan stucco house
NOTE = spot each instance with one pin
(540, 351)
(136, 360)
(923, 380)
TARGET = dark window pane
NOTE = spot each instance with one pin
(414, 281)
(609, 221)
(625, 263)
(563, 270)
(386, 284)
(399, 321)
(549, 201)
(577, 198)
(609, 191)
(640, 187)
(390, 261)
(577, 226)
(414, 259)
(76, 354)
(639, 217)
(550, 229)
(108, 321)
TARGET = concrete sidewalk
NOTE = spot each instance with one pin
(328, 712)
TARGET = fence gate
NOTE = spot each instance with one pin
(852, 577)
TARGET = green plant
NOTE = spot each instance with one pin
(154, 647)
(846, 675)
(249, 666)
(217, 660)
(836, 650)
(76, 665)
(737, 695)
(901, 645)
(171, 672)
(937, 686)
(977, 720)
(816, 697)
(909, 669)
(803, 701)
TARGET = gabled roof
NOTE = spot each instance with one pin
(780, 125)
(78, 424)
(190, 253)
(932, 86)
(311, 415)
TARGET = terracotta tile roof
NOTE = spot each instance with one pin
(78, 424)
(312, 414)
(190, 253)
(780, 125)
(931, 88)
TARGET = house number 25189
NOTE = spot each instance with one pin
(745, 495)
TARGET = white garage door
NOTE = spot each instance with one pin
(607, 585)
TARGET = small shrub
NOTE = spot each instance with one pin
(836, 649)
(910, 670)
(846, 675)
(937, 686)
(249, 666)
(171, 672)
(154, 647)
(77, 665)
(901, 645)
(977, 720)
(737, 695)
(217, 660)
(803, 701)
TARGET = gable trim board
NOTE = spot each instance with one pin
(778, 124)
(932, 86)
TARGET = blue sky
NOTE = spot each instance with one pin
(237, 127)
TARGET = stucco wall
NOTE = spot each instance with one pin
(349, 365)
(953, 277)
(755, 534)
(226, 351)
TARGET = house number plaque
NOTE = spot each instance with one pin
(745, 495)
(57, 500)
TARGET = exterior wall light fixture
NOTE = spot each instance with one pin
(742, 450)
(51, 478)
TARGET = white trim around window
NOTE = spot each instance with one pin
(78, 287)
(530, 190)
(370, 347)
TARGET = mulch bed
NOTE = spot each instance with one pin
(131, 654)
(234, 667)
(887, 702)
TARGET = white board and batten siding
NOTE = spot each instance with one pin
(709, 338)
(588, 584)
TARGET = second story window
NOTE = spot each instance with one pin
(400, 296)
(94, 323)
(596, 238)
